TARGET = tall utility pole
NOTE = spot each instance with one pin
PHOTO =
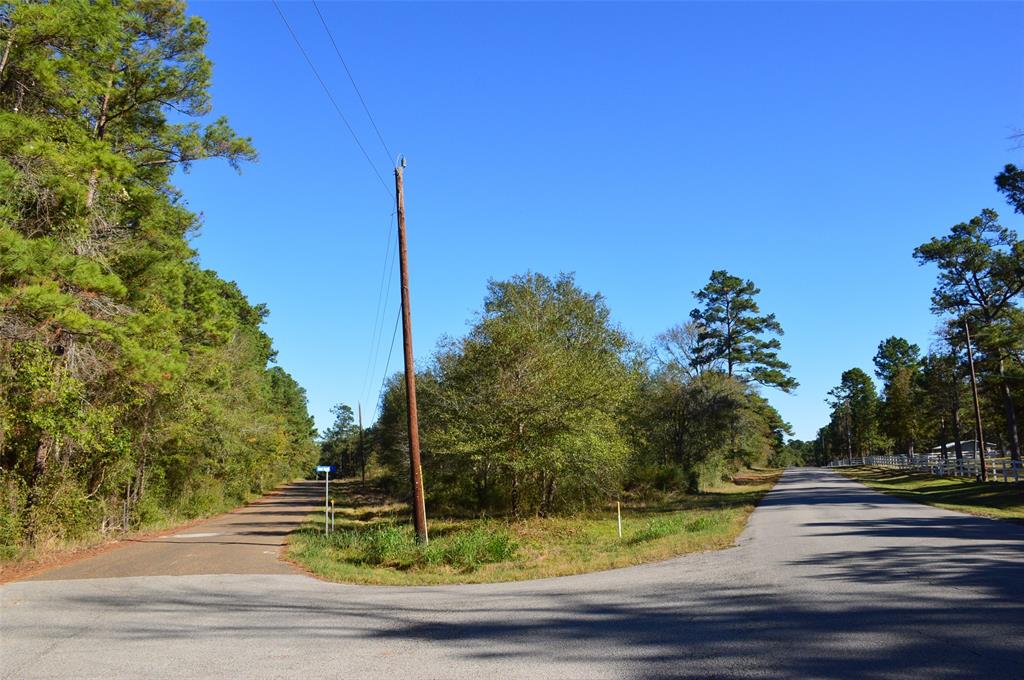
(362, 453)
(980, 439)
(419, 512)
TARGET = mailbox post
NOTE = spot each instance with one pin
(326, 469)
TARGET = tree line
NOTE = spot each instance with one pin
(135, 385)
(925, 400)
(546, 405)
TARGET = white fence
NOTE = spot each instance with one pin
(999, 469)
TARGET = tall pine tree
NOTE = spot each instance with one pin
(732, 331)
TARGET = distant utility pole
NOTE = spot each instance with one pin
(362, 454)
(980, 439)
(849, 436)
(419, 512)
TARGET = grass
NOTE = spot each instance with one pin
(988, 499)
(373, 543)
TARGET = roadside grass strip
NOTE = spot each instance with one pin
(987, 499)
(373, 542)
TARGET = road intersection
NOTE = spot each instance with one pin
(829, 580)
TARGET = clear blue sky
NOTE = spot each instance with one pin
(807, 146)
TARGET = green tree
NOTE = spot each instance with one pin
(981, 281)
(524, 413)
(1010, 182)
(942, 384)
(795, 453)
(854, 403)
(134, 383)
(702, 422)
(338, 445)
(897, 364)
(731, 333)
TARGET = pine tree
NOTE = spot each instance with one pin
(731, 333)
(128, 375)
(897, 364)
(981, 282)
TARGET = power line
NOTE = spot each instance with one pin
(377, 318)
(353, 81)
(387, 364)
(387, 296)
(327, 91)
(380, 311)
(378, 327)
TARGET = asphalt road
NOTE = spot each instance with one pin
(246, 541)
(829, 580)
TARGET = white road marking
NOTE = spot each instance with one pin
(200, 535)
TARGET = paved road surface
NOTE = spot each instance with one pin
(830, 580)
(247, 541)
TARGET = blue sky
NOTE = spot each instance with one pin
(807, 146)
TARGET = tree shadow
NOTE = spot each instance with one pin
(654, 631)
(926, 597)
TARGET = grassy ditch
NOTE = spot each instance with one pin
(373, 543)
(988, 499)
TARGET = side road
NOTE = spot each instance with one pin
(246, 541)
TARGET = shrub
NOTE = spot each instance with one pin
(661, 477)
(12, 503)
(711, 472)
(388, 545)
(469, 549)
(656, 528)
(705, 523)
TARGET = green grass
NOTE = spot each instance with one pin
(988, 499)
(373, 543)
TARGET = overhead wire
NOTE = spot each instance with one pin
(387, 364)
(334, 103)
(352, 80)
(382, 296)
(380, 313)
(387, 296)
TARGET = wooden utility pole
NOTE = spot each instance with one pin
(980, 439)
(419, 512)
(362, 453)
(849, 435)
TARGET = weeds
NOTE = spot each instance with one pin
(374, 544)
(391, 545)
(659, 527)
(468, 550)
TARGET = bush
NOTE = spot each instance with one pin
(660, 477)
(705, 523)
(392, 545)
(467, 550)
(12, 503)
(388, 545)
(710, 473)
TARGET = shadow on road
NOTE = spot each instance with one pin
(927, 594)
(680, 632)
